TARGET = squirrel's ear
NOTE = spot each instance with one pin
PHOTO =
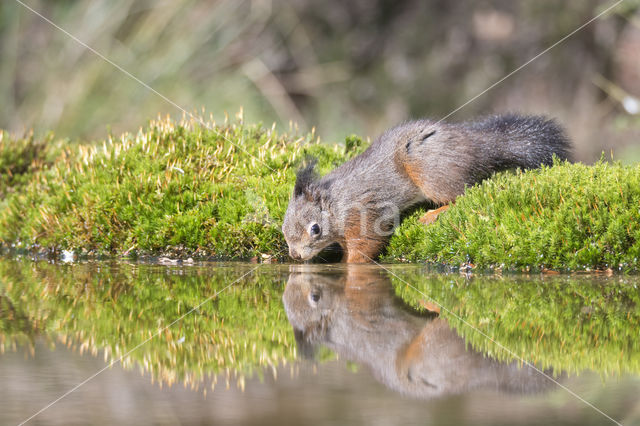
(426, 133)
(305, 178)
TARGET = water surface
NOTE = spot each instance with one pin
(234, 343)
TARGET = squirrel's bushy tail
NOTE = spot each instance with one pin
(522, 141)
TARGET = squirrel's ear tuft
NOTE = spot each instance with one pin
(305, 178)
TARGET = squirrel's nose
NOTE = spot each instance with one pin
(294, 254)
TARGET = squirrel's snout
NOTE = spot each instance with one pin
(294, 254)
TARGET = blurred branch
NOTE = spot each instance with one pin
(630, 103)
(273, 91)
(310, 79)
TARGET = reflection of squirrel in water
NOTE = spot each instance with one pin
(358, 204)
(357, 315)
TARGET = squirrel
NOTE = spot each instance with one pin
(356, 313)
(358, 204)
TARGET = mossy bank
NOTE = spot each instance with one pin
(182, 188)
(565, 217)
(198, 189)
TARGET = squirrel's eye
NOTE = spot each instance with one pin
(314, 229)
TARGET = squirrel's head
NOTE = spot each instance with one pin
(310, 298)
(306, 225)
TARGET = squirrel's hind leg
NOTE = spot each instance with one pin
(439, 179)
(432, 215)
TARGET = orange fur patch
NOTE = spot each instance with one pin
(432, 215)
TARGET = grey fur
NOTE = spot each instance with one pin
(359, 203)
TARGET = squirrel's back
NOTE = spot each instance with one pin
(442, 159)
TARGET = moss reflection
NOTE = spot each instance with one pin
(568, 323)
(115, 308)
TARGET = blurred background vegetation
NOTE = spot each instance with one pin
(344, 67)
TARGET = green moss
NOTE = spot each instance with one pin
(569, 216)
(20, 158)
(216, 192)
(568, 324)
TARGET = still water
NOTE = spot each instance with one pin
(233, 343)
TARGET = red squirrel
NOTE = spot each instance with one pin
(358, 204)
